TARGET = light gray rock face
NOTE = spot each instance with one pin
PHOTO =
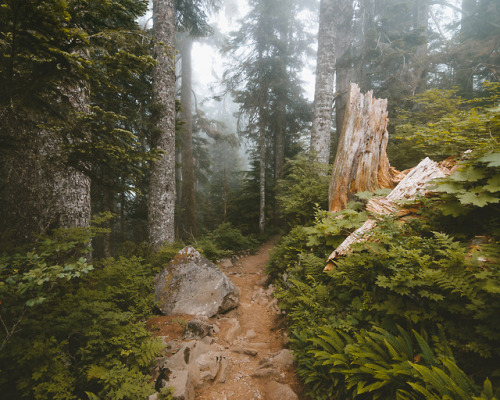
(182, 384)
(194, 365)
(190, 284)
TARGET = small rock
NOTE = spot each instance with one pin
(273, 306)
(233, 328)
(270, 290)
(248, 352)
(264, 372)
(250, 334)
(223, 370)
(198, 328)
(262, 301)
(283, 357)
(279, 391)
(264, 281)
(260, 345)
(206, 367)
(225, 263)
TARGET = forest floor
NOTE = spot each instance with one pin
(254, 338)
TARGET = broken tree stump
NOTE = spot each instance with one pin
(361, 163)
(414, 184)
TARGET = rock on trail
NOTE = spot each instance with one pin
(190, 284)
(238, 355)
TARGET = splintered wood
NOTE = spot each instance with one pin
(361, 163)
(414, 184)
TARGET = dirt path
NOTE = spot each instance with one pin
(245, 353)
(255, 346)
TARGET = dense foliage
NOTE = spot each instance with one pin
(410, 313)
(440, 123)
(74, 330)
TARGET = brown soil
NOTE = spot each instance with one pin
(261, 331)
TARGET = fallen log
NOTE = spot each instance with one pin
(414, 184)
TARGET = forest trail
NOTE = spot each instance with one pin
(255, 342)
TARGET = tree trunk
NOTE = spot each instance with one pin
(361, 163)
(368, 37)
(344, 71)
(420, 58)
(161, 201)
(188, 180)
(465, 74)
(414, 184)
(262, 176)
(281, 117)
(323, 93)
(40, 191)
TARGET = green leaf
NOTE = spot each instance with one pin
(488, 389)
(426, 350)
(493, 184)
(450, 187)
(92, 396)
(479, 200)
(492, 159)
(469, 174)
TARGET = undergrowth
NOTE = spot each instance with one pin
(72, 329)
(410, 313)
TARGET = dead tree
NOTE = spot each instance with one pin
(361, 163)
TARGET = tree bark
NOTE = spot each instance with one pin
(368, 36)
(188, 179)
(262, 176)
(361, 163)
(414, 184)
(420, 58)
(40, 191)
(161, 200)
(280, 122)
(323, 93)
(465, 74)
(344, 71)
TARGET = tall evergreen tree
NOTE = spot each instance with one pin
(325, 76)
(161, 201)
(192, 23)
(393, 37)
(50, 69)
(265, 85)
(476, 58)
(188, 176)
(344, 71)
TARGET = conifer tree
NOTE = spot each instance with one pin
(325, 76)
(51, 67)
(188, 177)
(161, 201)
(266, 86)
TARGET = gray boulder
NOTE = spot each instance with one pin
(190, 284)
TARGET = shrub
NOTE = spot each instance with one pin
(303, 190)
(224, 241)
(79, 330)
